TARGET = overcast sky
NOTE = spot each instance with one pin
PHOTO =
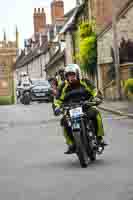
(20, 13)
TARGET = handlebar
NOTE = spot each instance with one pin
(84, 103)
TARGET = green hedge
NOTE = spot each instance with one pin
(6, 100)
(129, 86)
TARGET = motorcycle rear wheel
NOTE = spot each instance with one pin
(92, 154)
(88, 143)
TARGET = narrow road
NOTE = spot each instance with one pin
(33, 166)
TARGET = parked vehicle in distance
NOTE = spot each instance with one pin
(41, 90)
(25, 94)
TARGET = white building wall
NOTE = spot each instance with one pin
(69, 48)
(36, 67)
(20, 70)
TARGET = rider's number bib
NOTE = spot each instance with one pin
(76, 112)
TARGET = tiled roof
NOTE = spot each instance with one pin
(55, 59)
(71, 20)
(69, 13)
(26, 59)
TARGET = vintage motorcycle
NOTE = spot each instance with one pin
(82, 129)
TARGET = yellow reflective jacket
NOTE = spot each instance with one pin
(64, 88)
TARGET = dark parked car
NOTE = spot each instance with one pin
(41, 90)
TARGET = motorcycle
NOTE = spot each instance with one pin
(25, 94)
(82, 130)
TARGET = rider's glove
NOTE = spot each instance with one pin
(57, 111)
(97, 100)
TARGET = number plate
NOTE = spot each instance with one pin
(76, 125)
(76, 112)
(40, 95)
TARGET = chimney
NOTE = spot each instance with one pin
(39, 18)
(57, 11)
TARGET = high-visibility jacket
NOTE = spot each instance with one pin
(65, 87)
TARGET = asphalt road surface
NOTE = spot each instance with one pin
(33, 165)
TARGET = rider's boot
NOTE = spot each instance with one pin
(71, 149)
(101, 142)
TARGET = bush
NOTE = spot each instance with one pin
(6, 100)
(129, 87)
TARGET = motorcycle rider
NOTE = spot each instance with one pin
(54, 84)
(24, 79)
(74, 81)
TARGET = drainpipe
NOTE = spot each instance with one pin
(116, 51)
(73, 44)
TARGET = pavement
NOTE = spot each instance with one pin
(118, 107)
(33, 165)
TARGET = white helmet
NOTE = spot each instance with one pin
(74, 68)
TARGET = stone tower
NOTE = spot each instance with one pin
(39, 18)
(57, 11)
(4, 36)
(17, 38)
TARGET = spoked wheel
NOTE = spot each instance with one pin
(80, 150)
(88, 135)
(83, 158)
(82, 155)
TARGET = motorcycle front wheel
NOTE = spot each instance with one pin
(26, 99)
(80, 150)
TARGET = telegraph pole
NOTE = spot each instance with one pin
(116, 51)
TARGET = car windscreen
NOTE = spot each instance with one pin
(42, 83)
